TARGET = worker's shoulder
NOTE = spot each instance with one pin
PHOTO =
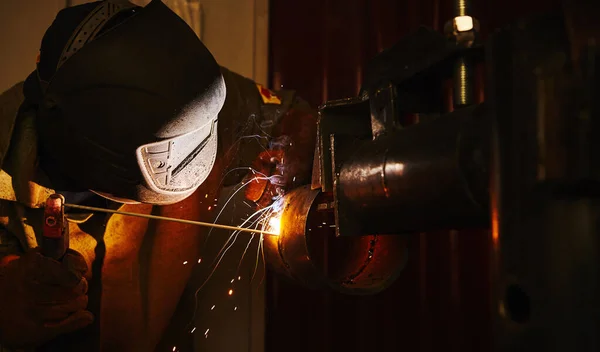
(246, 89)
(10, 102)
(11, 99)
(248, 98)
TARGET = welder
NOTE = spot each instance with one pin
(128, 110)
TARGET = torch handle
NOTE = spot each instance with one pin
(55, 236)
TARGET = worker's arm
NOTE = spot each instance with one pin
(41, 298)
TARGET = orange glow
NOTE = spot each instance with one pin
(495, 222)
(230, 292)
(495, 229)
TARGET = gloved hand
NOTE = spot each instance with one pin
(41, 298)
(287, 163)
(269, 179)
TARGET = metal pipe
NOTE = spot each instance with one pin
(351, 265)
(429, 176)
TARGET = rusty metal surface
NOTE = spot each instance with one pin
(372, 262)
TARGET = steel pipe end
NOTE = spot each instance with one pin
(308, 251)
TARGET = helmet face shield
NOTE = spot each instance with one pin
(180, 164)
(137, 108)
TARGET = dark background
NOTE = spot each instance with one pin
(442, 299)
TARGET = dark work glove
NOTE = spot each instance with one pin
(268, 180)
(41, 298)
(287, 163)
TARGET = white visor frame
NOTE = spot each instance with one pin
(179, 165)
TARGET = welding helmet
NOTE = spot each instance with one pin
(128, 106)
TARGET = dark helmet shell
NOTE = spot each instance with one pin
(147, 79)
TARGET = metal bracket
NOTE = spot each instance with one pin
(347, 117)
(384, 116)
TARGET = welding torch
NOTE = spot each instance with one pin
(55, 238)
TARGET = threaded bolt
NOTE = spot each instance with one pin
(463, 83)
(462, 8)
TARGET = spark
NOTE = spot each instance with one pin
(254, 172)
(199, 260)
(230, 292)
(235, 234)
(184, 263)
(259, 127)
(260, 241)
(206, 332)
(230, 241)
(235, 308)
(227, 202)
(271, 220)
(257, 136)
(232, 280)
(209, 208)
(262, 215)
(174, 348)
(257, 222)
(244, 254)
(213, 307)
(194, 329)
(264, 263)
